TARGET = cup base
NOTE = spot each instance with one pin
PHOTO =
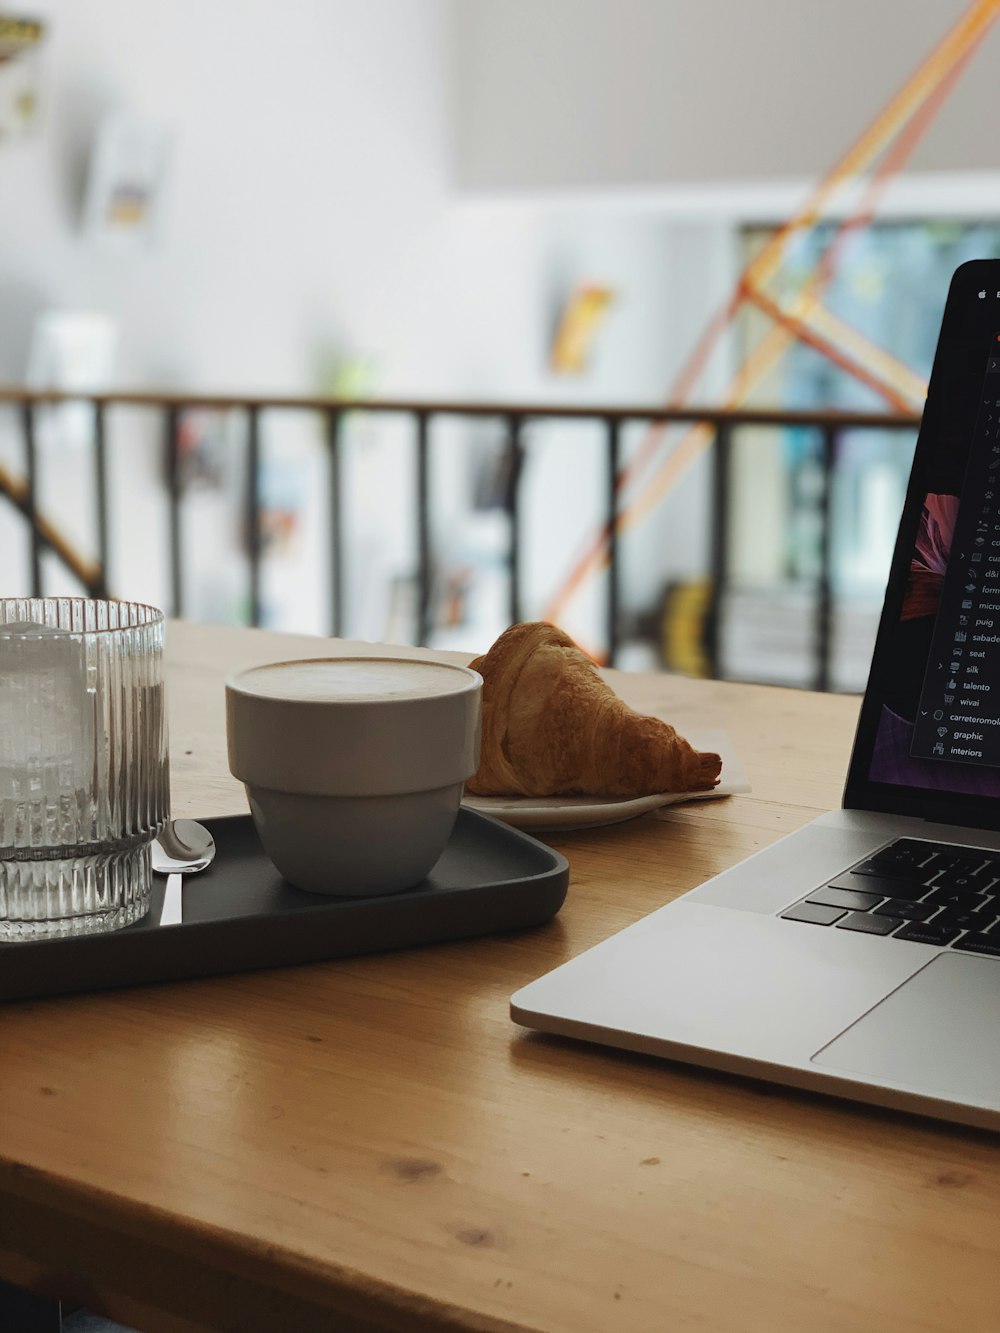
(355, 846)
(80, 895)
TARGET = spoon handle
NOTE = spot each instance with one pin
(171, 915)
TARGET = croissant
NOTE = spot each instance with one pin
(553, 727)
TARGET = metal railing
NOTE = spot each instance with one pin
(516, 421)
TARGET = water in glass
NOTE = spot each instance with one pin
(83, 763)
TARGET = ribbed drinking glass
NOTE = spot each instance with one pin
(84, 777)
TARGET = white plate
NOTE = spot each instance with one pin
(564, 812)
(542, 813)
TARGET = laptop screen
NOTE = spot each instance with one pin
(928, 740)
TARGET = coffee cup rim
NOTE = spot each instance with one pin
(473, 680)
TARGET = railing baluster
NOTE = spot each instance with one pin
(31, 497)
(172, 440)
(334, 422)
(718, 546)
(423, 530)
(823, 628)
(612, 426)
(101, 493)
(515, 457)
(254, 544)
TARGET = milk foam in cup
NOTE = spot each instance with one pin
(354, 766)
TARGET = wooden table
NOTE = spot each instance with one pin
(372, 1144)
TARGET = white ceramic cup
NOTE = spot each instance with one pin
(354, 766)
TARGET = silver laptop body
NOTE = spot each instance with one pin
(860, 956)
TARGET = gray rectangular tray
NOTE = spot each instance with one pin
(240, 914)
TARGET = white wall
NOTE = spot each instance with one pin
(305, 220)
(308, 176)
(573, 93)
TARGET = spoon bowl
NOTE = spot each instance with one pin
(183, 847)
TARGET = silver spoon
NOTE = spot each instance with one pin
(182, 847)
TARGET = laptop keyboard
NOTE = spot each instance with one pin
(929, 892)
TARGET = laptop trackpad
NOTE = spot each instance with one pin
(936, 1033)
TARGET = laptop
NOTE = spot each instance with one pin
(860, 956)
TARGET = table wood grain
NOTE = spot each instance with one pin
(372, 1144)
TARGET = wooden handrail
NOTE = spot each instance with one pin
(444, 407)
